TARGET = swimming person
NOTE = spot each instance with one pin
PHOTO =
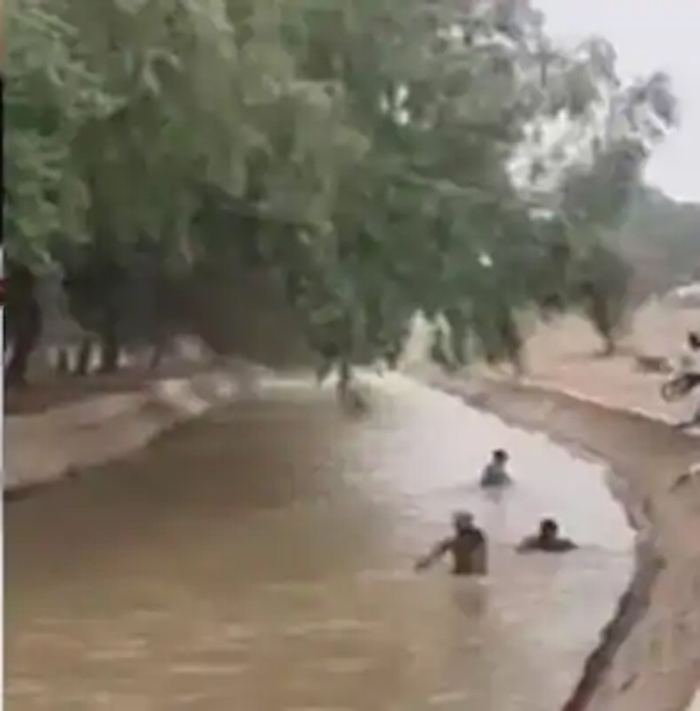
(547, 539)
(467, 545)
(495, 474)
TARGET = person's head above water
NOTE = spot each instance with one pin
(549, 528)
(500, 456)
(463, 521)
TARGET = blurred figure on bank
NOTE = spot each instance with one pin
(467, 546)
(690, 369)
(547, 539)
(689, 361)
(495, 474)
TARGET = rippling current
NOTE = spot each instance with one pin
(260, 559)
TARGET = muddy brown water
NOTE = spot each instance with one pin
(260, 559)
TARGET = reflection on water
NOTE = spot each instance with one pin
(260, 560)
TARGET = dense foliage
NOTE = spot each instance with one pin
(660, 238)
(372, 158)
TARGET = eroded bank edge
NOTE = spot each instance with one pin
(634, 603)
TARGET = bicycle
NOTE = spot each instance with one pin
(679, 386)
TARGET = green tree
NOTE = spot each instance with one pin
(370, 157)
(660, 238)
(602, 287)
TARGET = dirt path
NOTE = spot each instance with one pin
(564, 356)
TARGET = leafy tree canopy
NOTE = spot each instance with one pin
(374, 157)
(660, 238)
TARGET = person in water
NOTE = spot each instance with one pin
(467, 546)
(547, 539)
(495, 474)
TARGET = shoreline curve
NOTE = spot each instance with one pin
(648, 655)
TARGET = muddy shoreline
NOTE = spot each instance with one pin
(648, 656)
(49, 447)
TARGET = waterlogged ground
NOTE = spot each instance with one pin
(260, 559)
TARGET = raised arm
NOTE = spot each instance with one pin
(434, 555)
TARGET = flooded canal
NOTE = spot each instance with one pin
(260, 559)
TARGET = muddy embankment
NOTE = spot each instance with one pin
(648, 657)
(61, 441)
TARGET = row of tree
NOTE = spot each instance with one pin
(660, 238)
(369, 159)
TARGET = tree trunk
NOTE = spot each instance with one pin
(603, 322)
(85, 350)
(23, 340)
(23, 323)
(609, 345)
(63, 361)
(351, 399)
(344, 379)
(110, 350)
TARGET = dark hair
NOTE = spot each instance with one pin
(548, 525)
(463, 520)
(500, 454)
(694, 339)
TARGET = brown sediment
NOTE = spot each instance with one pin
(57, 443)
(648, 657)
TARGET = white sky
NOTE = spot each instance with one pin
(649, 35)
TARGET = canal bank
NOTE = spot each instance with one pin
(61, 441)
(648, 657)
